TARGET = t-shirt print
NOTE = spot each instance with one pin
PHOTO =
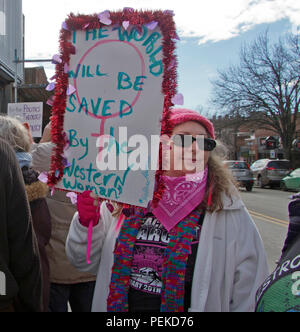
(148, 257)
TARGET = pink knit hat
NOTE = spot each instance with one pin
(182, 115)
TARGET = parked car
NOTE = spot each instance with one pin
(269, 172)
(241, 172)
(291, 181)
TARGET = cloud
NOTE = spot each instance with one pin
(209, 21)
(221, 20)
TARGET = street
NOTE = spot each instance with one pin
(269, 210)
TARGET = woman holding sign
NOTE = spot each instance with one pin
(196, 250)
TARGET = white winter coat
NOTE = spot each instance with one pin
(230, 266)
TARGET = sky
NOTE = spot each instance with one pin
(211, 33)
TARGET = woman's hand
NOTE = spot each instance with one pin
(88, 208)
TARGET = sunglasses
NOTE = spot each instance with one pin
(185, 141)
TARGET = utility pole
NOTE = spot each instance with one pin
(16, 75)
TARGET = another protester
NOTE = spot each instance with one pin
(20, 269)
(68, 285)
(281, 290)
(19, 137)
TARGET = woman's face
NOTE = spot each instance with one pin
(191, 158)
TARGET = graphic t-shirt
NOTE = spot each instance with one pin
(281, 290)
(148, 258)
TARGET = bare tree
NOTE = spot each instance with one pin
(227, 128)
(264, 86)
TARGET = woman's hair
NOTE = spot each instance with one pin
(117, 209)
(14, 133)
(220, 181)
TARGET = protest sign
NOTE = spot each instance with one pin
(32, 113)
(116, 76)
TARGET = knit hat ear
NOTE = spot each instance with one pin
(182, 115)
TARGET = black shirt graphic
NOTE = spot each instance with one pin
(145, 282)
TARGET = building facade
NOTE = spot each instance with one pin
(247, 142)
(11, 47)
(251, 144)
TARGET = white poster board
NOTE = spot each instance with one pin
(117, 75)
(32, 113)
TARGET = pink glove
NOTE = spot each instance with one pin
(87, 210)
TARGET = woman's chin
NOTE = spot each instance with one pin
(192, 167)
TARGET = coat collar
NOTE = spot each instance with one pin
(232, 203)
(36, 190)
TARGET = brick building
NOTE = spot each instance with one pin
(248, 143)
(34, 90)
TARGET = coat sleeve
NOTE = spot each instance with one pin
(251, 265)
(76, 244)
(41, 156)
